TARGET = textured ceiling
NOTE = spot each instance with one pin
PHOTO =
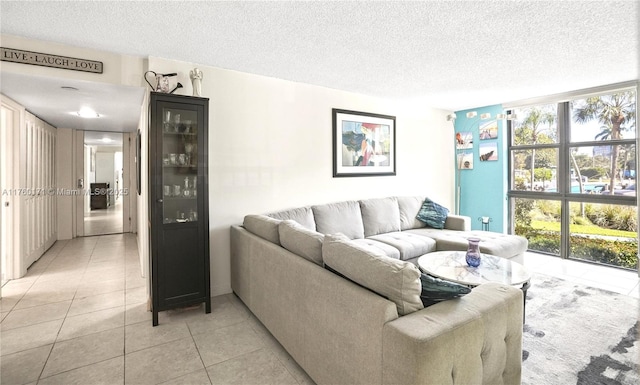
(118, 106)
(450, 54)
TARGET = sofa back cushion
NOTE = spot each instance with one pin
(396, 280)
(409, 207)
(302, 215)
(301, 241)
(341, 217)
(380, 216)
(263, 226)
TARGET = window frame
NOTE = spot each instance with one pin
(563, 192)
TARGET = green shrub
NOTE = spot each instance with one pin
(549, 209)
(522, 212)
(617, 253)
(612, 217)
(602, 250)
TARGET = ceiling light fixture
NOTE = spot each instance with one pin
(88, 113)
(106, 140)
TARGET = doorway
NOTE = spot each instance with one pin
(103, 176)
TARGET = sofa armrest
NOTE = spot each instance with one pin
(476, 339)
(458, 222)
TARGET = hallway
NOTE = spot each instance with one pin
(104, 221)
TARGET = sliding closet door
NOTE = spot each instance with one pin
(38, 201)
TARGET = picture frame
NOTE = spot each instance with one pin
(364, 144)
(488, 130)
(465, 161)
(488, 152)
(464, 140)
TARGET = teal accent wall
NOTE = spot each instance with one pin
(483, 189)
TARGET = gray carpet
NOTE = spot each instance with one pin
(579, 335)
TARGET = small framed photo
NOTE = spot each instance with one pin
(464, 140)
(488, 130)
(488, 152)
(465, 161)
(364, 144)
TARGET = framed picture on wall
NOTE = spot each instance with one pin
(464, 140)
(488, 152)
(364, 144)
(488, 130)
(465, 161)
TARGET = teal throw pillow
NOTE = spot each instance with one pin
(435, 290)
(433, 214)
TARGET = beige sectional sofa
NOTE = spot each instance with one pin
(368, 326)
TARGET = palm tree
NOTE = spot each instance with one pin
(535, 123)
(616, 112)
(605, 133)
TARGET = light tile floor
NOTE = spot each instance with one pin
(104, 221)
(608, 278)
(79, 317)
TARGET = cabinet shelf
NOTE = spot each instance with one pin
(180, 133)
(172, 198)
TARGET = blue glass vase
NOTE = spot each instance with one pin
(473, 256)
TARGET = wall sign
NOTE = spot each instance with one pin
(47, 60)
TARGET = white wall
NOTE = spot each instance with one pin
(117, 69)
(65, 180)
(270, 148)
(108, 160)
(89, 176)
(142, 204)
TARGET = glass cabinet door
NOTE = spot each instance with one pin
(179, 165)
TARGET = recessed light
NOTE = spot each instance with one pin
(106, 140)
(88, 113)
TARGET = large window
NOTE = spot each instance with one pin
(573, 177)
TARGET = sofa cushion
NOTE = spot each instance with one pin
(433, 214)
(393, 279)
(386, 249)
(263, 226)
(341, 217)
(435, 290)
(302, 215)
(409, 245)
(409, 207)
(380, 216)
(501, 245)
(301, 241)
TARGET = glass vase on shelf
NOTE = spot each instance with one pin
(473, 256)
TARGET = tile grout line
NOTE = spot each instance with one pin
(45, 363)
(66, 314)
(198, 350)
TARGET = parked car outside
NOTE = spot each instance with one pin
(627, 191)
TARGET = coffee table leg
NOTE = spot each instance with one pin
(524, 289)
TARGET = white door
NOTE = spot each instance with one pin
(10, 121)
(39, 201)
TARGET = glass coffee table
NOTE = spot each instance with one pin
(452, 266)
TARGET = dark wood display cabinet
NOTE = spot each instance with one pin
(178, 202)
